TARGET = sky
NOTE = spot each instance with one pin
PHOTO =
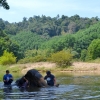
(28, 8)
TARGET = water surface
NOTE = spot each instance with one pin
(73, 86)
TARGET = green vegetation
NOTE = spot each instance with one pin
(7, 58)
(78, 43)
(49, 27)
(44, 38)
(28, 40)
(4, 4)
(7, 44)
(93, 51)
(62, 58)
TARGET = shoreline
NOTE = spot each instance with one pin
(76, 67)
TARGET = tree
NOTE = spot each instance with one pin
(7, 58)
(7, 44)
(2, 25)
(62, 58)
(93, 51)
(83, 54)
(4, 4)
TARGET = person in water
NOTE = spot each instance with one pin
(7, 78)
(50, 79)
(32, 78)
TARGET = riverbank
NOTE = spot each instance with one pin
(77, 67)
(43, 66)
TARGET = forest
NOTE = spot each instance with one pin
(42, 38)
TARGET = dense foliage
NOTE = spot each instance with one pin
(93, 51)
(49, 27)
(4, 4)
(7, 44)
(62, 58)
(28, 40)
(7, 58)
(37, 38)
(76, 42)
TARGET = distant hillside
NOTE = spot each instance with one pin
(52, 34)
(10, 46)
(48, 26)
(76, 42)
(28, 40)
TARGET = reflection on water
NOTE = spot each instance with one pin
(72, 87)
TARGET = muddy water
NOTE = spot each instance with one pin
(73, 86)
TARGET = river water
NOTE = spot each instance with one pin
(73, 86)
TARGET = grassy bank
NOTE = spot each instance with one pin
(17, 70)
(20, 69)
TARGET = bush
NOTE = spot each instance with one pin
(93, 51)
(37, 58)
(7, 58)
(62, 58)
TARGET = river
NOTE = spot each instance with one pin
(73, 86)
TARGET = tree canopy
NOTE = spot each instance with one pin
(40, 37)
(4, 4)
(7, 44)
(93, 51)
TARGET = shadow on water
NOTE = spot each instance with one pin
(72, 87)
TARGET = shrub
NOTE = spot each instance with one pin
(37, 58)
(7, 58)
(93, 51)
(62, 58)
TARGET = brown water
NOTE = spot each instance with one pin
(73, 86)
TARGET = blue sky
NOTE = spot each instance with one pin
(29, 8)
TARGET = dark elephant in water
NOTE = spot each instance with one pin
(31, 79)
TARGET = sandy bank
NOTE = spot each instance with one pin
(76, 66)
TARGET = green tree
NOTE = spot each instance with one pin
(62, 58)
(4, 4)
(83, 54)
(2, 25)
(93, 51)
(7, 58)
(7, 44)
